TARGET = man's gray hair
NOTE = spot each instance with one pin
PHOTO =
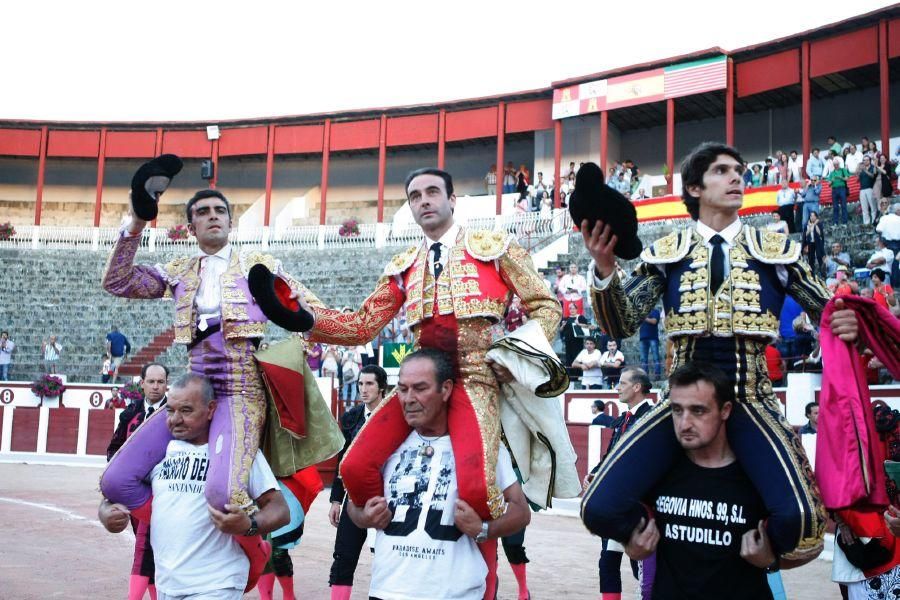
(206, 389)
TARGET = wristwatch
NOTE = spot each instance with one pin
(253, 529)
(483, 534)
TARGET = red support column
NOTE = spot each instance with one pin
(157, 150)
(729, 102)
(270, 167)
(885, 81)
(670, 144)
(326, 150)
(604, 140)
(215, 163)
(42, 168)
(557, 157)
(382, 163)
(805, 110)
(501, 144)
(101, 165)
(442, 136)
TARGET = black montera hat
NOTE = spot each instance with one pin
(595, 201)
(144, 193)
(273, 295)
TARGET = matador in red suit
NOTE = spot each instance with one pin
(455, 285)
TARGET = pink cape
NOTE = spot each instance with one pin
(849, 454)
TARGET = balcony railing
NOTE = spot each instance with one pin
(529, 228)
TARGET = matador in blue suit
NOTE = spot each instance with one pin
(722, 284)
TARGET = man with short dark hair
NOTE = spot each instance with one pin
(708, 532)
(117, 349)
(611, 363)
(154, 383)
(722, 285)
(196, 554)
(633, 387)
(349, 539)
(427, 541)
(812, 418)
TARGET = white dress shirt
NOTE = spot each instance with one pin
(209, 295)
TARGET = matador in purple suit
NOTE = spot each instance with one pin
(221, 324)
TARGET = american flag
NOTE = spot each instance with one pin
(696, 77)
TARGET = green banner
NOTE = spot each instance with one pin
(393, 354)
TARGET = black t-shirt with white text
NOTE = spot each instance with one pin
(701, 514)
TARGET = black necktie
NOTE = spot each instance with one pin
(149, 411)
(717, 264)
(438, 267)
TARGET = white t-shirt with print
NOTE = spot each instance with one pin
(191, 555)
(421, 555)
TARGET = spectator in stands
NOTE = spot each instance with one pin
(838, 180)
(570, 172)
(7, 346)
(814, 243)
(786, 198)
(810, 195)
(611, 363)
(836, 259)
(867, 173)
(781, 163)
(794, 167)
(117, 348)
(649, 338)
(620, 183)
(790, 310)
(833, 146)
(573, 285)
(775, 364)
(490, 181)
(541, 189)
(588, 360)
(812, 416)
(881, 258)
(806, 335)
(872, 150)
(884, 208)
(558, 274)
(884, 185)
(573, 330)
(330, 361)
(314, 358)
(815, 165)
(547, 206)
(853, 159)
(598, 409)
(521, 185)
(509, 178)
(882, 293)
(778, 224)
(747, 176)
(106, 369)
(757, 177)
(845, 285)
(51, 350)
(351, 364)
(515, 316)
(770, 173)
(889, 228)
